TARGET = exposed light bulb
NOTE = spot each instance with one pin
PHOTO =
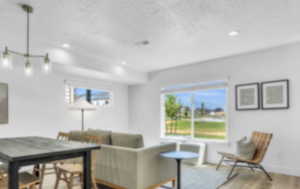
(6, 60)
(47, 64)
(28, 68)
(119, 70)
(47, 68)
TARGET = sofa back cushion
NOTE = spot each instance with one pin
(104, 135)
(80, 136)
(127, 140)
(76, 135)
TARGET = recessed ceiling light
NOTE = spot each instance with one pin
(233, 33)
(66, 45)
(119, 70)
(124, 63)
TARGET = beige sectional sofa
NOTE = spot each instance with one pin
(124, 162)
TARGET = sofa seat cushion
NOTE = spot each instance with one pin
(127, 140)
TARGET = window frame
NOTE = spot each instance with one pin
(72, 87)
(192, 138)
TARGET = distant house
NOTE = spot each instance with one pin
(219, 114)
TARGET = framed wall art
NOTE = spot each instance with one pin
(275, 94)
(247, 96)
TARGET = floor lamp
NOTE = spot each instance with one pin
(83, 106)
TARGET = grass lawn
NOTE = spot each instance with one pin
(207, 130)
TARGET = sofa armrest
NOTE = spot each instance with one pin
(117, 165)
(154, 169)
(134, 168)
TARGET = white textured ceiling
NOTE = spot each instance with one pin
(179, 31)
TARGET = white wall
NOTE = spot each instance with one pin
(37, 106)
(278, 63)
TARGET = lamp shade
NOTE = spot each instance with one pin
(82, 105)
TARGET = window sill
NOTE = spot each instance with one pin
(185, 140)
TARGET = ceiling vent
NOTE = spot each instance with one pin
(142, 43)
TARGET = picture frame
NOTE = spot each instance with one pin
(247, 96)
(275, 95)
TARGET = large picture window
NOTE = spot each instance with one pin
(195, 113)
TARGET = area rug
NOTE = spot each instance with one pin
(204, 177)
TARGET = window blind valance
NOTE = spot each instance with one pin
(194, 86)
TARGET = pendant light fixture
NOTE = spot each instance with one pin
(28, 69)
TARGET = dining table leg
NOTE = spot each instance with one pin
(13, 178)
(87, 170)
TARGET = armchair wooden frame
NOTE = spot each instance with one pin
(262, 142)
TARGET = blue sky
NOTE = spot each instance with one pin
(212, 98)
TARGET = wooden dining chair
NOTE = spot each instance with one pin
(26, 181)
(2, 170)
(50, 168)
(3, 175)
(262, 142)
(62, 136)
(69, 172)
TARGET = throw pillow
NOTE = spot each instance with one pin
(246, 149)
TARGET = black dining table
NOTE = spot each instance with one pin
(25, 151)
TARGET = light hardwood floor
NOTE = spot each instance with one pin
(248, 180)
(245, 180)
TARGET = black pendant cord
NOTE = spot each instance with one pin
(27, 48)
